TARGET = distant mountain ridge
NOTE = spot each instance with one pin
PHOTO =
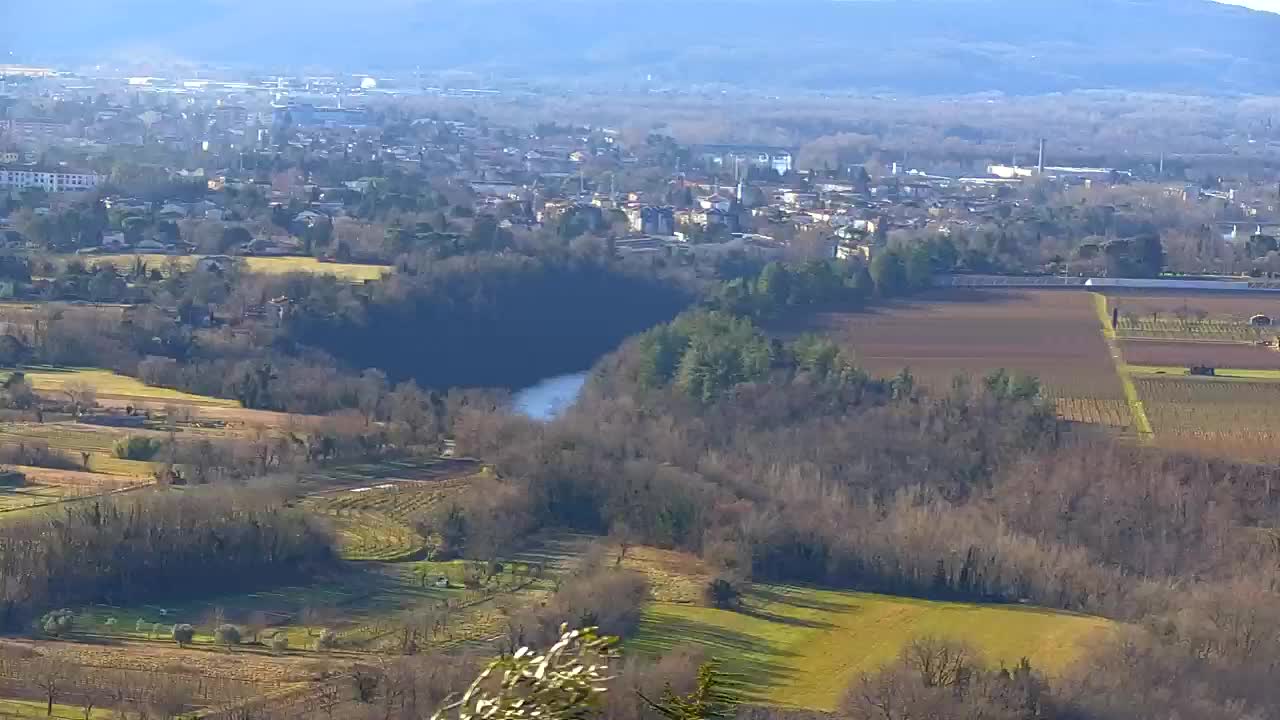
(910, 46)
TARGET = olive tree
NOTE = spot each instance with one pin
(183, 634)
(227, 635)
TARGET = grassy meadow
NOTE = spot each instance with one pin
(109, 384)
(801, 647)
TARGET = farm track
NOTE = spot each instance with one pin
(1136, 410)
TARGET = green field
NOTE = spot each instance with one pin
(787, 646)
(801, 647)
(351, 272)
(38, 709)
(29, 496)
(366, 605)
(109, 384)
(73, 439)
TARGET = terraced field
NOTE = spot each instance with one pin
(373, 536)
(373, 522)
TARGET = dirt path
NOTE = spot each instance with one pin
(1140, 421)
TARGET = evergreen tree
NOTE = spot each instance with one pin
(889, 274)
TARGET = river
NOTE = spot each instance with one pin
(551, 397)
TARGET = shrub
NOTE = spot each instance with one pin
(328, 640)
(136, 447)
(58, 622)
(12, 478)
(183, 634)
(227, 635)
(723, 593)
(279, 643)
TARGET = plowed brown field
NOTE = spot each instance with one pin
(1052, 334)
(1215, 306)
(1186, 354)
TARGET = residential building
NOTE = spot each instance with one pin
(742, 157)
(310, 116)
(655, 221)
(850, 249)
(54, 181)
(34, 130)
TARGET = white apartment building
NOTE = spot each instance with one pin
(53, 181)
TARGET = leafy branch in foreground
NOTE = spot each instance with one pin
(563, 683)
(709, 701)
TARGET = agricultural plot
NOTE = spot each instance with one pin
(1094, 411)
(351, 272)
(1211, 354)
(13, 708)
(1231, 418)
(373, 522)
(213, 677)
(108, 384)
(375, 537)
(1192, 316)
(801, 647)
(91, 446)
(367, 607)
(1131, 328)
(1051, 334)
(797, 647)
(45, 487)
(282, 607)
(362, 475)
(27, 315)
(30, 496)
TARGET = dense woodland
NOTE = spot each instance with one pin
(453, 323)
(153, 547)
(458, 322)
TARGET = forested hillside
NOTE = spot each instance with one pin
(782, 462)
(920, 46)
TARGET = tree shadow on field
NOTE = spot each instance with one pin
(761, 614)
(752, 664)
(770, 595)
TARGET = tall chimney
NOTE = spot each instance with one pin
(1040, 164)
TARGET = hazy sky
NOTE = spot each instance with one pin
(1272, 5)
